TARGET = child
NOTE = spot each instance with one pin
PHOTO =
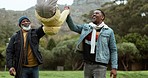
(48, 13)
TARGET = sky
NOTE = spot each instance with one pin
(20, 5)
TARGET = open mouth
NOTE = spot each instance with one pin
(93, 18)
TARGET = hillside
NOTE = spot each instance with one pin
(78, 8)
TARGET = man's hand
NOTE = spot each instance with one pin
(66, 8)
(12, 71)
(113, 73)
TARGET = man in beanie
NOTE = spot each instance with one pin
(22, 54)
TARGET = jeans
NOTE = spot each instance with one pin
(30, 72)
(94, 71)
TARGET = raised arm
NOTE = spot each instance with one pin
(71, 25)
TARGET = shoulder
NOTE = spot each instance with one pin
(108, 30)
(33, 30)
(15, 34)
(37, 29)
(106, 27)
(86, 25)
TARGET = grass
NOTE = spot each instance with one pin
(79, 74)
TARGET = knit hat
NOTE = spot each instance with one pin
(21, 19)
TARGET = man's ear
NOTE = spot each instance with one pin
(18, 25)
(102, 18)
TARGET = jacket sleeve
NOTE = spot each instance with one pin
(10, 53)
(72, 26)
(113, 51)
(40, 32)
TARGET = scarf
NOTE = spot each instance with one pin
(93, 41)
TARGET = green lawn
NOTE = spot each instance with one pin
(79, 74)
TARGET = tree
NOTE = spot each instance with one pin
(142, 45)
(127, 53)
(126, 18)
(145, 29)
(51, 44)
(2, 56)
(65, 54)
(140, 41)
(74, 59)
(48, 59)
(5, 33)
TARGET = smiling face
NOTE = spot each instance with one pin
(97, 17)
(25, 22)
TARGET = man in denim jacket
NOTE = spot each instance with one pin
(98, 44)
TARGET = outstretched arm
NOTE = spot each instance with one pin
(64, 15)
(71, 25)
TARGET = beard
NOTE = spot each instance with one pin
(26, 28)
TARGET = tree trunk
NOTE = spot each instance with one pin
(125, 67)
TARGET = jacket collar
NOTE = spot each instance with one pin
(104, 25)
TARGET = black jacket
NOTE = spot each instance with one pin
(15, 48)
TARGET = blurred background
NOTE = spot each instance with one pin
(128, 19)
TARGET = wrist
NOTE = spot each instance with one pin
(114, 69)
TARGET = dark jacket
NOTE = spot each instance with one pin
(15, 48)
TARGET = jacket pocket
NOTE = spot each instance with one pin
(104, 43)
(105, 38)
(16, 47)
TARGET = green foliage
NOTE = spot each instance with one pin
(44, 40)
(140, 41)
(65, 54)
(143, 46)
(6, 32)
(127, 49)
(145, 29)
(127, 53)
(119, 39)
(7, 29)
(47, 59)
(62, 55)
(2, 55)
(126, 18)
(132, 37)
(51, 44)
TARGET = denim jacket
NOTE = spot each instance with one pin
(106, 44)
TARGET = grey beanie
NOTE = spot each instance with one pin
(22, 18)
